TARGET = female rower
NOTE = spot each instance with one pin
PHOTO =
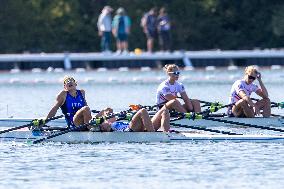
(169, 89)
(240, 96)
(140, 122)
(72, 103)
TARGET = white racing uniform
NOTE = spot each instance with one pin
(166, 88)
(241, 85)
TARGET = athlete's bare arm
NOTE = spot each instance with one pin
(60, 99)
(243, 95)
(83, 93)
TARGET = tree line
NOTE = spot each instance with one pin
(71, 25)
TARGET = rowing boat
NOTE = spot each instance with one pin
(272, 121)
(95, 137)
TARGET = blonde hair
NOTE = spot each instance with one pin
(68, 78)
(251, 69)
(170, 67)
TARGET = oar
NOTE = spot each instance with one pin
(201, 128)
(35, 122)
(206, 117)
(97, 121)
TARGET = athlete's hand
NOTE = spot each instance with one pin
(256, 110)
(258, 76)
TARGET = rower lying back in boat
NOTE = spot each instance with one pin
(140, 122)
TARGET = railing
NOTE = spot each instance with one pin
(185, 56)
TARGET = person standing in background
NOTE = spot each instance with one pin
(121, 29)
(104, 28)
(149, 23)
(164, 28)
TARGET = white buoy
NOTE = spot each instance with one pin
(232, 67)
(36, 70)
(58, 70)
(80, 70)
(50, 69)
(210, 68)
(101, 69)
(145, 69)
(123, 69)
(188, 68)
(15, 70)
(275, 67)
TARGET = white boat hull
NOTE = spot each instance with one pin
(95, 137)
(273, 121)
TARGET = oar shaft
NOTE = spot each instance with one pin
(245, 124)
(204, 129)
(30, 124)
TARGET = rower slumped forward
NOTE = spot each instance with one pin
(169, 89)
(241, 92)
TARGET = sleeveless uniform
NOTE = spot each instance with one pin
(120, 126)
(71, 106)
(166, 88)
(240, 85)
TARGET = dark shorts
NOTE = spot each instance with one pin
(151, 34)
(122, 37)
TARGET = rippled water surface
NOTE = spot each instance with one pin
(134, 165)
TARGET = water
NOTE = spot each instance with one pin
(134, 165)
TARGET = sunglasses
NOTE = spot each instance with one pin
(71, 80)
(251, 77)
(175, 73)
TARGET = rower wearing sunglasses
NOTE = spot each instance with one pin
(169, 89)
(240, 96)
(72, 103)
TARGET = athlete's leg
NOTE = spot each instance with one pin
(193, 105)
(162, 119)
(265, 105)
(141, 121)
(175, 105)
(82, 116)
(241, 107)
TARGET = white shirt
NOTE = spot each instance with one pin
(104, 22)
(166, 88)
(241, 85)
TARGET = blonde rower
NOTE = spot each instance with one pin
(140, 122)
(72, 103)
(240, 95)
(169, 89)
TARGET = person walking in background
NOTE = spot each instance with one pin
(121, 29)
(164, 27)
(149, 23)
(104, 28)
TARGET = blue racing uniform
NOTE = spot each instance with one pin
(71, 106)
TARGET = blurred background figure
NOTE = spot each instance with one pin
(149, 23)
(121, 29)
(104, 28)
(164, 27)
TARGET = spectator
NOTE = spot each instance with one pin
(121, 29)
(104, 27)
(149, 24)
(164, 27)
